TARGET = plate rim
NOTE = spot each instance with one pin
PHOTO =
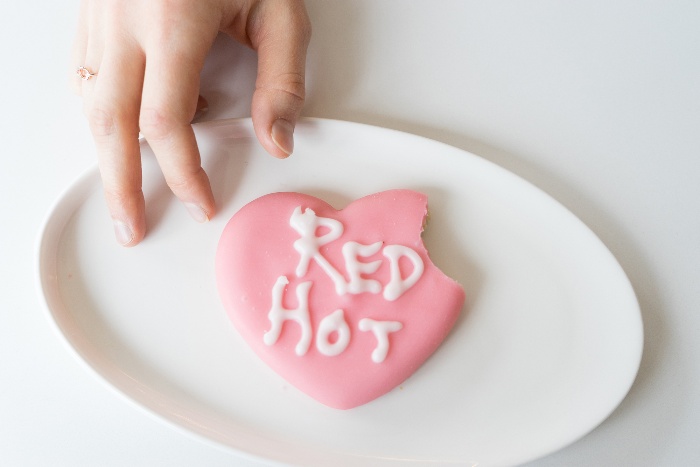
(86, 179)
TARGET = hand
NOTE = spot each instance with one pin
(148, 55)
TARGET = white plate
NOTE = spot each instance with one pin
(548, 344)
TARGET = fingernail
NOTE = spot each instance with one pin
(123, 233)
(197, 213)
(283, 135)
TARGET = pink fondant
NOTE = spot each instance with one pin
(256, 248)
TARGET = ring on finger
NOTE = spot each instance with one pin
(84, 73)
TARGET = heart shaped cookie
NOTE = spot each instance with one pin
(343, 304)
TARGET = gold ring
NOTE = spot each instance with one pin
(85, 74)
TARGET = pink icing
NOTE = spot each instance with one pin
(344, 304)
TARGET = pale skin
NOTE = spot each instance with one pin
(148, 55)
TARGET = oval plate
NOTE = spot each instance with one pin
(547, 346)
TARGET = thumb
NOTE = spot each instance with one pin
(279, 30)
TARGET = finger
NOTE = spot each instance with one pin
(95, 28)
(113, 116)
(169, 103)
(279, 30)
(79, 50)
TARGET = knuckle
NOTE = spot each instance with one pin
(291, 84)
(186, 179)
(156, 124)
(102, 121)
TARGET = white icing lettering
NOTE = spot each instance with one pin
(333, 323)
(307, 224)
(278, 315)
(333, 334)
(397, 285)
(357, 284)
(381, 330)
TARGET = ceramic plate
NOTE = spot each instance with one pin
(548, 343)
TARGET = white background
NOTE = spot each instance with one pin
(596, 102)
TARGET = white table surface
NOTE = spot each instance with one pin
(597, 103)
